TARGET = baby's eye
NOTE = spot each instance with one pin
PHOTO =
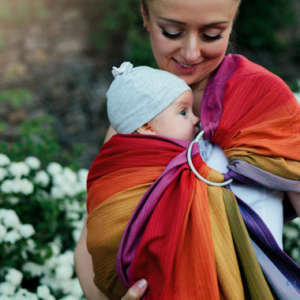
(182, 112)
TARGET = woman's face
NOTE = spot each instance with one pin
(189, 38)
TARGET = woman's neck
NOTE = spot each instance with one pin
(198, 91)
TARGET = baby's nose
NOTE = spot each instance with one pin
(196, 120)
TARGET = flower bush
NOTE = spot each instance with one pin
(41, 216)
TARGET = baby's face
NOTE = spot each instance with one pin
(177, 120)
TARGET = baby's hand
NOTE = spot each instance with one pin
(137, 291)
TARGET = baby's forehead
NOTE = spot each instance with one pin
(186, 98)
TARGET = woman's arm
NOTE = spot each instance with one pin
(295, 201)
(84, 269)
(85, 274)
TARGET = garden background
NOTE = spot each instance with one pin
(55, 59)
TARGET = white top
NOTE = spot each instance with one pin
(265, 202)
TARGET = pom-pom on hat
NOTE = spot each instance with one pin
(138, 94)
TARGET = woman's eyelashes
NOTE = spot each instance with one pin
(206, 37)
(171, 35)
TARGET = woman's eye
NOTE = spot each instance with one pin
(208, 37)
(182, 112)
(171, 35)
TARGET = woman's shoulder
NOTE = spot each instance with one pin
(253, 75)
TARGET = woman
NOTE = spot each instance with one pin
(189, 38)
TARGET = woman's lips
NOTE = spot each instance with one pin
(184, 68)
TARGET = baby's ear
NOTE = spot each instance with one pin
(146, 129)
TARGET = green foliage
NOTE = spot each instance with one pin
(120, 25)
(260, 23)
(16, 97)
(37, 137)
(291, 239)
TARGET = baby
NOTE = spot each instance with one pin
(151, 101)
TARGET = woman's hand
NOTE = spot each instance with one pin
(137, 291)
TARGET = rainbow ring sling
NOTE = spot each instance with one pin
(149, 216)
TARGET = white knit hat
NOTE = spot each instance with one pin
(138, 94)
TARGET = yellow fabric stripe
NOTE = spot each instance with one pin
(279, 166)
(255, 280)
(230, 282)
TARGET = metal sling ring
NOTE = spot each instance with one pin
(190, 162)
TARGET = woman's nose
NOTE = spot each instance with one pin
(192, 49)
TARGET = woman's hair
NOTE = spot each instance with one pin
(145, 6)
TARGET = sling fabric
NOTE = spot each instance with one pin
(150, 217)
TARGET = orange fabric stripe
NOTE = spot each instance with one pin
(106, 186)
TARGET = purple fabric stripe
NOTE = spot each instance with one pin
(239, 178)
(260, 233)
(283, 288)
(135, 228)
(263, 177)
(211, 105)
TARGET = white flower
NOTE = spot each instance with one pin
(23, 294)
(57, 192)
(71, 287)
(8, 186)
(14, 277)
(43, 292)
(76, 234)
(72, 215)
(64, 272)
(2, 232)
(3, 173)
(18, 169)
(4, 160)
(9, 218)
(291, 233)
(295, 253)
(26, 230)
(297, 95)
(66, 258)
(42, 178)
(25, 186)
(6, 288)
(50, 263)
(31, 246)
(12, 236)
(55, 248)
(33, 162)
(69, 189)
(296, 221)
(69, 298)
(33, 269)
(13, 200)
(59, 179)
(54, 168)
(82, 175)
(69, 175)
